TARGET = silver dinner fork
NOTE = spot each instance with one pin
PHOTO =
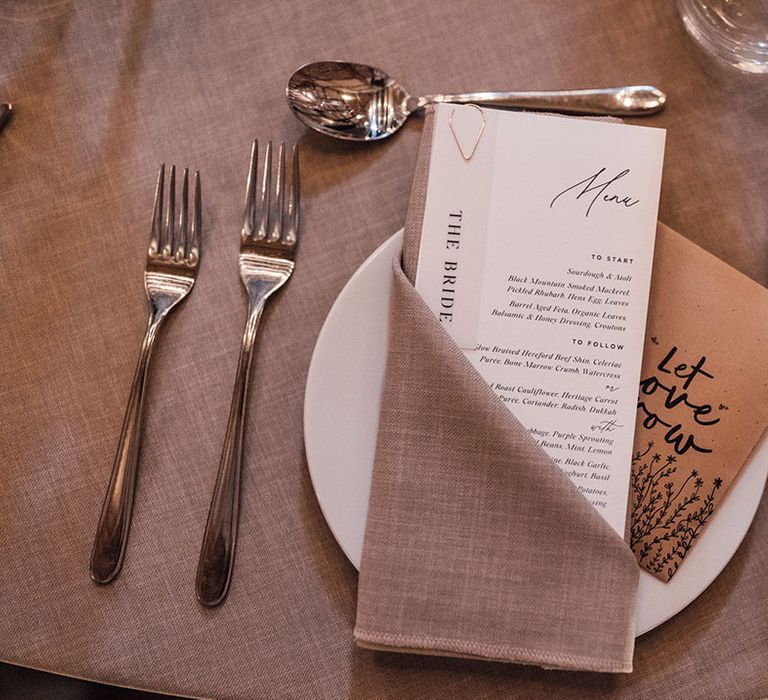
(267, 248)
(173, 259)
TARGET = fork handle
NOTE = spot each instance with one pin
(115, 520)
(217, 554)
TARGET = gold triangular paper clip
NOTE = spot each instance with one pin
(469, 157)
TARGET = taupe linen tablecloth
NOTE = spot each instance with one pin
(107, 90)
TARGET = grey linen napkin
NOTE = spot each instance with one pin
(477, 544)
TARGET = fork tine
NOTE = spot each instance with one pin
(249, 217)
(182, 235)
(292, 231)
(193, 254)
(170, 215)
(155, 238)
(266, 183)
(277, 225)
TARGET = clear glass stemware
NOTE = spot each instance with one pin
(733, 31)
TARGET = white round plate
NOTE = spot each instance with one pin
(341, 415)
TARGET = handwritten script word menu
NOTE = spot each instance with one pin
(536, 256)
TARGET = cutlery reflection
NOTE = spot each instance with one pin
(6, 110)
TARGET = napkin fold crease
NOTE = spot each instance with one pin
(477, 544)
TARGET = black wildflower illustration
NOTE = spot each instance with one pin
(666, 519)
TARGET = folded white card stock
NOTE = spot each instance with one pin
(536, 256)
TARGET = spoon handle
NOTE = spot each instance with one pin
(620, 101)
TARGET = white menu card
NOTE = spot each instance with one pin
(536, 256)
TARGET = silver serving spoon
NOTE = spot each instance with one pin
(360, 103)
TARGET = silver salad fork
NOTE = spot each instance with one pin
(267, 248)
(172, 263)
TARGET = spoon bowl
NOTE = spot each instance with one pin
(348, 100)
(356, 102)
